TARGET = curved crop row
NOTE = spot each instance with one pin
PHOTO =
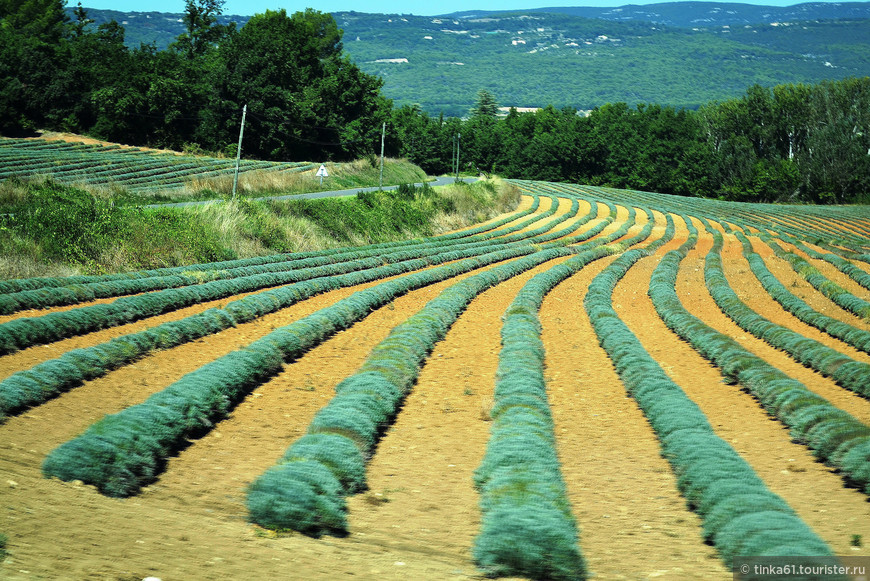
(528, 527)
(206, 270)
(857, 338)
(21, 333)
(123, 452)
(306, 490)
(131, 167)
(483, 231)
(821, 283)
(73, 294)
(834, 435)
(845, 371)
(741, 516)
(841, 264)
(758, 216)
(33, 386)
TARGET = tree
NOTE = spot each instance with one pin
(31, 32)
(44, 20)
(202, 31)
(485, 105)
(305, 99)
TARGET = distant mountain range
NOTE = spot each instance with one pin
(678, 53)
(689, 14)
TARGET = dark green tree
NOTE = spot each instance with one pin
(485, 105)
(305, 99)
(418, 137)
(31, 32)
(202, 31)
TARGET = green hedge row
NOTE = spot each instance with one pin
(848, 373)
(305, 491)
(123, 452)
(834, 436)
(740, 515)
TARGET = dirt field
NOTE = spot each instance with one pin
(420, 515)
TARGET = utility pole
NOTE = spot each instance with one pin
(458, 137)
(454, 166)
(453, 155)
(239, 150)
(383, 132)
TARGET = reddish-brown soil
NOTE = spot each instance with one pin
(419, 518)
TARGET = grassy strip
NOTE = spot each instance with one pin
(202, 269)
(123, 452)
(119, 285)
(835, 436)
(845, 371)
(21, 333)
(65, 228)
(741, 516)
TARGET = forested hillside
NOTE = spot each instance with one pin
(689, 13)
(682, 54)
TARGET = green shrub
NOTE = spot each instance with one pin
(525, 532)
(301, 495)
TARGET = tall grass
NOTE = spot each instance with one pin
(359, 173)
(62, 230)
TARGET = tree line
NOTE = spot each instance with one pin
(307, 101)
(790, 143)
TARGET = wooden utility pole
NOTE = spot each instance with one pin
(458, 137)
(239, 150)
(383, 133)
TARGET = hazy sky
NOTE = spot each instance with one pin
(249, 7)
